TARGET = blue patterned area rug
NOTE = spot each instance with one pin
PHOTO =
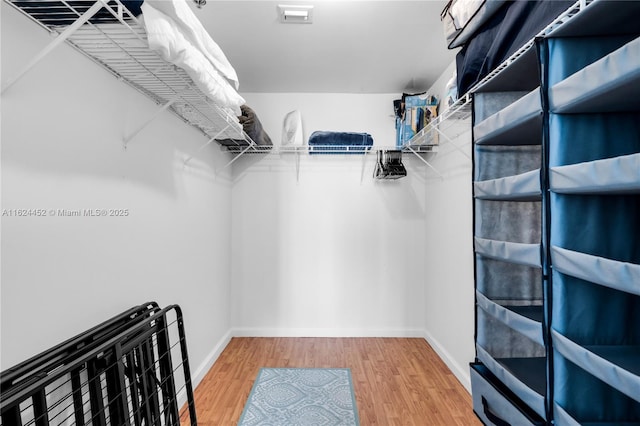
(300, 397)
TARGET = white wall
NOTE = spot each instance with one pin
(331, 254)
(334, 252)
(62, 129)
(327, 252)
(449, 291)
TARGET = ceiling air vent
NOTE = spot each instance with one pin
(295, 14)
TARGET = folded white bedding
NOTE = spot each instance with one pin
(169, 40)
(194, 32)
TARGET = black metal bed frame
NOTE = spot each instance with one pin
(132, 369)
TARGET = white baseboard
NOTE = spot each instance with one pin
(204, 367)
(324, 332)
(461, 372)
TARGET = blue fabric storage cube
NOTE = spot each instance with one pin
(589, 400)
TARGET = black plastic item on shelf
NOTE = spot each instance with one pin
(252, 126)
(389, 165)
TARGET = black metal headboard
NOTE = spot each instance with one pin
(133, 369)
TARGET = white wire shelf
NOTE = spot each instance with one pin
(461, 111)
(112, 37)
(116, 40)
(322, 149)
(554, 25)
(458, 112)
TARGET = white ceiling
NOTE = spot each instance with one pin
(352, 46)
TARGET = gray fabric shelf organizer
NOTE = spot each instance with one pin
(525, 186)
(511, 125)
(557, 230)
(510, 339)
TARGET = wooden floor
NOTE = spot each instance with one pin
(396, 381)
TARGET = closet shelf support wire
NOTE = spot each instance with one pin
(448, 139)
(153, 116)
(61, 38)
(252, 145)
(364, 159)
(425, 162)
(189, 158)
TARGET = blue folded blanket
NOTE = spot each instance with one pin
(342, 142)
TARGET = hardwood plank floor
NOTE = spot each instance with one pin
(397, 381)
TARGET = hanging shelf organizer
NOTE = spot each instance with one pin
(110, 35)
(571, 160)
